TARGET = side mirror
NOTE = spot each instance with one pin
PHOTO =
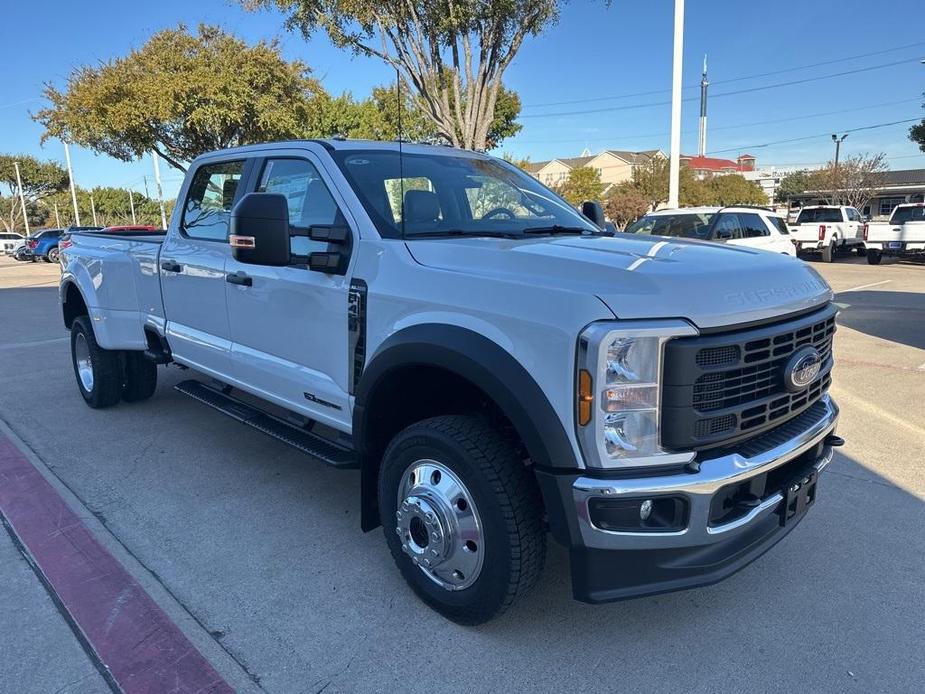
(593, 211)
(611, 228)
(259, 231)
(724, 234)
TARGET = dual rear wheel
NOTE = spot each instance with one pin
(105, 376)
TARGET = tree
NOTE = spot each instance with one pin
(794, 184)
(111, 204)
(39, 180)
(853, 182)
(583, 183)
(183, 94)
(733, 189)
(453, 53)
(651, 180)
(625, 204)
(917, 133)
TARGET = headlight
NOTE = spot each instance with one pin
(618, 399)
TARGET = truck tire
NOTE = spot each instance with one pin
(98, 371)
(462, 515)
(828, 253)
(873, 257)
(140, 377)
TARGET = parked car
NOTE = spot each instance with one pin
(493, 364)
(44, 244)
(738, 225)
(828, 229)
(903, 235)
(10, 241)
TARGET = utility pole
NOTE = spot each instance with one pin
(22, 199)
(131, 204)
(57, 217)
(837, 140)
(674, 169)
(702, 135)
(70, 176)
(93, 210)
(160, 192)
(147, 194)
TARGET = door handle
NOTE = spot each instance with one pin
(240, 279)
(171, 266)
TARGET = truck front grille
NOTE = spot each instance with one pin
(722, 387)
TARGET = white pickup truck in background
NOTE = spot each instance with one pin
(903, 235)
(827, 229)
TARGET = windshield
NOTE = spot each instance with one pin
(437, 194)
(688, 225)
(819, 214)
(901, 215)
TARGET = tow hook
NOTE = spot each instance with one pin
(834, 441)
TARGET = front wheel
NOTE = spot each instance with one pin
(873, 257)
(462, 515)
(98, 370)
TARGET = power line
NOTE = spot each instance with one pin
(731, 79)
(722, 94)
(732, 127)
(811, 137)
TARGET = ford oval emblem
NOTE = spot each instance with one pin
(802, 369)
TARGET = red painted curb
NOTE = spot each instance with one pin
(145, 652)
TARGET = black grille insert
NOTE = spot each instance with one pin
(725, 387)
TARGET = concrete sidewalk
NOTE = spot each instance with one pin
(41, 654)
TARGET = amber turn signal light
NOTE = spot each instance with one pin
(585, 397)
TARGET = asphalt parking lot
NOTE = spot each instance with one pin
(255, 550)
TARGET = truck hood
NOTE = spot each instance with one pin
(712, 285)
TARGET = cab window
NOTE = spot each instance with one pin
(310, 201)
(211, 196)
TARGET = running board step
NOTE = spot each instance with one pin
(324, 449)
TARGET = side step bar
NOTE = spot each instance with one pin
(329, 451)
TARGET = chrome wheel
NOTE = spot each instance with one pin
(83, 362)
(439, 525)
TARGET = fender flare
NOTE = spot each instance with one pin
(482, 362)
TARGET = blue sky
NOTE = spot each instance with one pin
(593, 53)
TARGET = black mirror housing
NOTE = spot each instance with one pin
(593, 211)
(259, 230)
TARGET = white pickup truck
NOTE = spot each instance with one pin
(827, 229)
(903, 235)
(495, 367)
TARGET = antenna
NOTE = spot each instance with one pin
(401, 168)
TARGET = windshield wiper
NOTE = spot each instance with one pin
(556, 229)
(462, 232)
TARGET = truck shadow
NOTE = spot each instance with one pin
(874, 312)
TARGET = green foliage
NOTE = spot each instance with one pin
(583, 183)
(917, 134)
(452, 54)
(39, 180)
(625, 204)
(183, 94)
(731, 189)
(794, 184)
(112, 207)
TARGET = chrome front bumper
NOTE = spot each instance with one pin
(699, 489)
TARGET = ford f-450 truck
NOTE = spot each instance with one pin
(827, 229)
(496, 368)
(903, 235)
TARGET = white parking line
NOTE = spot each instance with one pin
(863, 286)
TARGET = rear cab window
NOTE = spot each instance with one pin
(901, 215)
(815, 215)
(211, 195)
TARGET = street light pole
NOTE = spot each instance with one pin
(70, 176)
(837, 140)
(674, 167)
(22, 199)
